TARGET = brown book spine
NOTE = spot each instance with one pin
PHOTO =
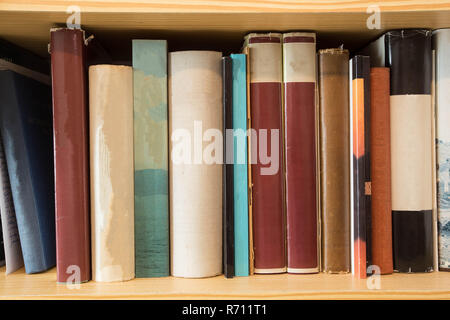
(380, 157)
(334, 159)
(267, 178)
(299, 66)
(70, 121)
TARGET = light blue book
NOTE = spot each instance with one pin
(241, 244)
(151, 194)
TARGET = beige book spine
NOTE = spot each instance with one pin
(111, 158)
(195, 115)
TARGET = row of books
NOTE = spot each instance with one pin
(278, 159)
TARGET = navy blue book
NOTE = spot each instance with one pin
(26, 129)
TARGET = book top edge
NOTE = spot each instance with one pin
(333, 51)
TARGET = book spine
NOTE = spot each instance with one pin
(13, 251)
(410, 104)
(227, 169)
(251, 253)
(195, 120)
(334, 159)
(112, 188)
(380, 157)
(2, 246)
(151, 180)
(267, 176)
(27, 138)
(299, 66)
(71, 154)
(360, 165)
(441, 42)
(240, 181)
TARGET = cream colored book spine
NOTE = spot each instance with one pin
(195, 166)
(111, 158)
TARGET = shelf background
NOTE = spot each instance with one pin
(216, 25)
(434, 285)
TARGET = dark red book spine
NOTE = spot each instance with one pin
(70, 121)
(300, 149)
(267, 174)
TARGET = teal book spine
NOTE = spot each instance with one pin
(241, 240)
(151, 195)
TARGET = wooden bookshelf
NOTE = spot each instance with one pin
(219, 25)
(285, 286)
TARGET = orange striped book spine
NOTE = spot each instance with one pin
(360, 164)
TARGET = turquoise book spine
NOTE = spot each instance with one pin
(241, 241)
(151, 195)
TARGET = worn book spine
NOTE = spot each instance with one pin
(11, 240)
(441, 44)
(240, 172)
(195, 166)
(151, 174)
(267, 173)
(228, 169)
(111, 159)
(26, 130)
(380, 169)
(334, 159)
(360, 181)
(299, 66)
(71, 154)
(410, 105)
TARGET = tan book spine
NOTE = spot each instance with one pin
(195, 117)
(334, 160)
(111, 158)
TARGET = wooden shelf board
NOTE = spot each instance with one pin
(284, 286)
(220, 5)
(218, 24)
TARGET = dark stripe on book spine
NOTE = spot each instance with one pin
(275, 39)
(299, 39)
(408, 54)
(412, 240)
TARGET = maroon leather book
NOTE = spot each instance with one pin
(266, 154)
(299, 49)
(70, 122)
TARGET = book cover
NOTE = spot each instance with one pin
(228, 168)
(267, 173)
(360, 181)
(11, 240)
(195, 166)
(71, 153)
(111, 164)
(240, 173)
(299, 65)
(334, 160)
(411, 136)
(380, 169)
(26, 130)
(151, 189)
(441, 44)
